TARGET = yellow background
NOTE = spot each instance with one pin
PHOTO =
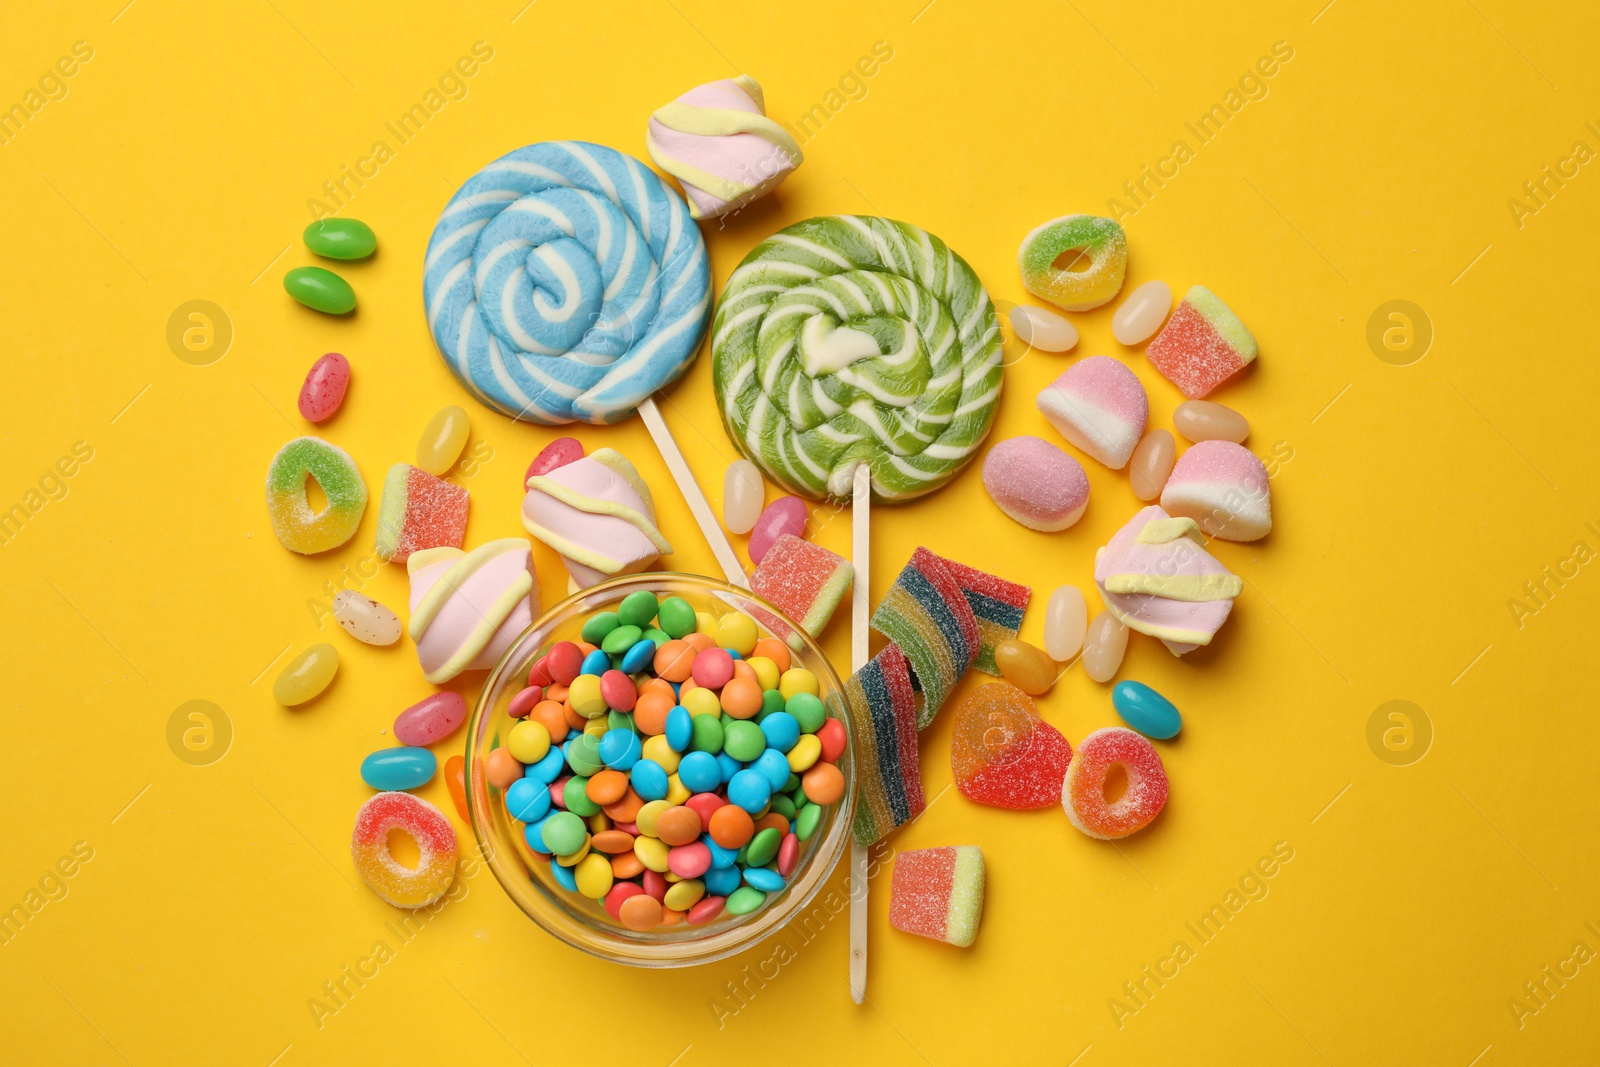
(1417, 502)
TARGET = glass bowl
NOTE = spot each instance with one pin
(580, 921)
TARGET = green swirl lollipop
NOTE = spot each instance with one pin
(850, 340)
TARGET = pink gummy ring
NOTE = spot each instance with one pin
(1083, 791)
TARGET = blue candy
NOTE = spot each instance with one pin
(619, 749)
(699, 772)
(720, 857)
(762, 878)
(649, 780)
(729, 765)
(1146, 710)
(773, 767)
(398, 768)
(548, 769)
(720, 881)
(680, 728)
(640, 656)
(565, 876)
(528, 800)
(533, 833)
(596, 663)
(732, 653)
(781, 730)
(749, 789)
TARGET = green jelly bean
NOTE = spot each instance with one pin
(341, 239)
(744, 900)
(706, 734)
(744, 741)
(676, 616)
(620, 640)
(564, 833)
(807, 821)
(575, 796)
(656, 637)
(783, 806)
(320, 290)
(761, 849)
(638, 609)
(598, 625)
(808, 711)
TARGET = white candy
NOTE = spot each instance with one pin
(1142, 314)
(1041, 329)
(1065, 622)
(743, 493)
(365, 619)
(1104, 646)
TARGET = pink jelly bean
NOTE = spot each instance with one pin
(324, 387)
(712, 669)
(689, 861)
(557, 453)
(433, 718)
(708, 908)
(786, 515)
(618, 691)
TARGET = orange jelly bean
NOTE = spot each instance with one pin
(731, 826)
(741, 697)
(773, 649)
(1025, 666)
(607, 787)
(678, 826)
(503, 768)
(454, 780)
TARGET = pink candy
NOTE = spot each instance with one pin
(618, 690)
(1036, 483)
(433, 718)
(786, 515)
(713, 668)
(557, 453)
(689, 861)
(1100, 407)
(324, 387)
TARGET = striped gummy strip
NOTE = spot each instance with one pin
(888, 767)
(998, 605)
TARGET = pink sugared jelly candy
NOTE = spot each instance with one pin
(557, 453)
(433, 718)
(324, 387)
(786, 515)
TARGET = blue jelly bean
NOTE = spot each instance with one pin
(763, 878)
(398, 768)
(528, 800)
(729, 765)
(565, 877)
(773, 767)
(640, 656)
(548, 769)
(699, 772)
(649, 780)
(1146, 710)
(720, 881)
(533, 833)
(619, 749)
(679, 729)
(595, 663)
(781, 729)
(750, 790)
(720, 857)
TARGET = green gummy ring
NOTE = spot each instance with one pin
(851, 339)
(298, 527)
(1101, 239)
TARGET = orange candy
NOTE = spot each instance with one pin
(655, 685)
(731, 826)
(741, 669)
(699, 641)
(503, 768)
(674, 661)
(773, 649)
(612, 842)
(627, 808)
(678, 826)
(556, 692)
(608, 787)
(741, 697)
(626, 864)
(641, 912)
(650, 713)
(824, 784)
(670, 917)
(453, 779)
(552, 716)
(772, 819)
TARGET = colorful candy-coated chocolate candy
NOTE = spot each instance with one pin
(1036, 483)
(435, 838)
(434, 718)
(592, 876)
(1066, 620)
(1100, 406)
(1104, 644)
(1142, 313)
(323, 390)
(824, 784)
(1151, 464)
(618, 691)
(585, 696)
(1083, 790)
(365, 619)
(297, 527)
(683, 895)
(833, 740)
(1025, 666)
(678, 825)
(340, 238)
(306, 676)
(807, 821)
(744, 900)
(713, 668)
(788, 855)
(399, 768)
(689, 861)
(621, 639)
(1146, 710)
(1224, 488)
(502, 768)
(564, 833)
(640, 913)
(742, 494)
(565, 662)
(320, 290)
(750, 790)
(638, 608)
(731, 826)
(737, 632)
(419, 511)
(619, 749)
(1003, 754)
(781, 731)
(1043, 330)
(1203, 420)
(649, 779)
(938, 893)
(763, 878)
(528, 800)
(443, 439)
(785, 515)
(743, 740)
(699, 772)
(1202, 345)
(1077, 262)
(706, 910)
(676, 616)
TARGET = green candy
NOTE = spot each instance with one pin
(706, 734)
(575, 796)
(743, 740)
(619, 720)
(620, 640)
(676, 616)
(596, 626)
(910, 388)
(583, 756)
(564, 833)
(340, 239)
(744, 900)
(320, 290)
(761, 850)
(638, 609)
(792, 784)
(656, 637)
(783, 806)
(771, 701)
(808, 711)
(807, 821)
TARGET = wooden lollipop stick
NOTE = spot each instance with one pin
(698, 505)
(861, 560)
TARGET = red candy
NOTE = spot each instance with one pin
(833, 739)
(524, 701)
(706, 910)
(618, 691)
(324, 387)
(703, 805)
(619, 893)
(539, 673)
(654, 884)
(433, 718)
(557, 453)
(788, 854)
(689, 861)
(713, 668)
(1083, 791)
(565, 662)
(1003, 754)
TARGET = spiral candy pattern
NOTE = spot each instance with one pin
(565, 282)
(853, 339)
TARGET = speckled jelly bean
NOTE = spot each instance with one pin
(324, 387)
(433, 718)
(1146, 710)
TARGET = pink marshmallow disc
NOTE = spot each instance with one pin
(1100, 407)
(1036, 483)
(1223, 487)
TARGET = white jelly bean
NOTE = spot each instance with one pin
(1203, 420)
(1104, 646)
(1041, 329)
(1065, 621)
(743, 493)
(365, 619)
(1142, 313)
(1151, 464)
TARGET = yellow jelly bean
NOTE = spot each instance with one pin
(442, 440)
(701, 702)
(677, 792)
(656, 748)
(705, 623)
(686, 894)
(584, 696)
(767, 672)
(652, 853)
(593, 875)
(577, 857)
(805, 753)
(737, 631)
(798, 680)
(306, 675)
(529, 741)
(648, 814)
(1025, 666)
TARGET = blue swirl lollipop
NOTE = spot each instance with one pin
(565, 282)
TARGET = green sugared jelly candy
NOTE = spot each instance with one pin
(320, 290)
(341, 239)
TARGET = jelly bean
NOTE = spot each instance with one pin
(743, 492)
(805, 752)
(678, 826)
(705, 911)
(306, 676)
(798, 680)
(649, 780)
(528, 741)
(1151, 464)
(1104, 645)
(501, 768)
(788, 854)
(741, 698)
(564, 876)
(433, 718)
(598, 625)
(323, 390)
(1142, 313)
(1042, 329)
(775, 766)
(1203, 420)
(621, 639)
(638, 608)
(640, 913)
(764, 879)
(398, 768)
(619, 749)
(662, 754)
(549, 768)
(743, 740)
(340, 238)
(824, 784)
(708, 734)
(527, 800)
(722, 880)
(596, 663)
(586, 698)
(744, 900)
(737, 631)
(785, 515)
(1146, 710)
(320, 290)
(565, 662)
(679, 730)
(699, 772)
(618, 690)
(833, 738)
(713, 668)
(652, 852)
(1025, 666)
(807, 821)
(1066, 621)
(750, 790)
(640, 655)
(557, 453)
(455, 781)
(564, 833)
(575, 797)
(442, 440)
(763, 847)
(781, 730)
(593, 876)
(685, 894)
(676, 616)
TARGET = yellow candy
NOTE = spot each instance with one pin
(597, 727)
(599, 822)
(576, 857)
(798, 680)
(738, 632)
(705, 623)
(307, 674)
(529, 741)
(593, 875)
(585, 698)
(656, 748)
(1025, 666)
(677, 792)
(685, 894)
(648, 814)
(442, 440)
(652, 853)
(671, 878)
(767, 673)
(701, 702)
(805, 753)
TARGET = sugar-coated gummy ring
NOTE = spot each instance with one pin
(298, 527)
(1083, 790)
(386, 876)
(1101, 240)
(565, 282)
(852, 339)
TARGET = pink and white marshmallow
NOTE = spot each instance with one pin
(1100, 407)
(717, 141)
(468, 607)
(1223, 487)
(1036, 483)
